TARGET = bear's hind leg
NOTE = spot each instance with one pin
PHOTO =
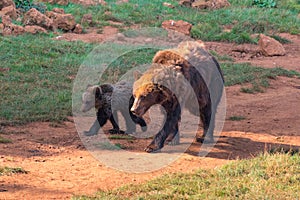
(206, 118)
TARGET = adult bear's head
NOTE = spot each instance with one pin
(147, 95)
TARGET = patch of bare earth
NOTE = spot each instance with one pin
(59, 166)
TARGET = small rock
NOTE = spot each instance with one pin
(63, 21)
(270, 46)
(12, 29)
(34, 17)
(121, 1)
(34, 29)
(10, 11)
(78, 29)
(58, 10)
(6, 3)
(6, 20)
(1, 28)
(59, 2)
(121, 37)
(211, 4)
(179, 26)
(168, 5)
(187, 3)
(148, 40)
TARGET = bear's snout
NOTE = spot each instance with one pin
(136, 108)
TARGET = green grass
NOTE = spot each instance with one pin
(245, 18)
(38, 85)
(257, 77)
(10, 170)
(5, 140)
(237, 118)
(109, 146)
(121, 137)
(269, 176)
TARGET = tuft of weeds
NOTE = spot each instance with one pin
(221, 58)
(109, 146)
(11, 170)
(121, 137)
(5, 140)
(237, 118)
(281, 39)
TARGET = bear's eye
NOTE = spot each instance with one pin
(142, 97)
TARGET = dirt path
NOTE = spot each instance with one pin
(59, 166)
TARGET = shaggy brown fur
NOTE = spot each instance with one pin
(108, 100)
(187, 76)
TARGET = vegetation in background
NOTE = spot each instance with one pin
(26, 5)
(4, 140)
(257, 77)
(243, 18)
(265, 3)
(237, 118)
(10, 170)
(37, 83)
(268, 176)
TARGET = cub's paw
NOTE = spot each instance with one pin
(116, 131)
(89, 133)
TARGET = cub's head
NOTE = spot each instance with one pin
(146, 96)
(88, 97)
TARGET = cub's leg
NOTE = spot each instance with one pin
(114, 121)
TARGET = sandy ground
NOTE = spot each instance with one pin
(59, 166)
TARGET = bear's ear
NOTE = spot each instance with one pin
(97, 92)
(88, 85)
(137, 74)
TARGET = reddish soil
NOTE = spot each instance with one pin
(59, 166)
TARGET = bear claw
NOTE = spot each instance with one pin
(152, 150)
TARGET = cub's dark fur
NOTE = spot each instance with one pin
(108, 100)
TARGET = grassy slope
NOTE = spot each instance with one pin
(243, 18)
(38, 85)
(265, 177)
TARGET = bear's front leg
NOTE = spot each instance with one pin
(168, 132)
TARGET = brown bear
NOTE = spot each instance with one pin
(108, 99)
(184, 77)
